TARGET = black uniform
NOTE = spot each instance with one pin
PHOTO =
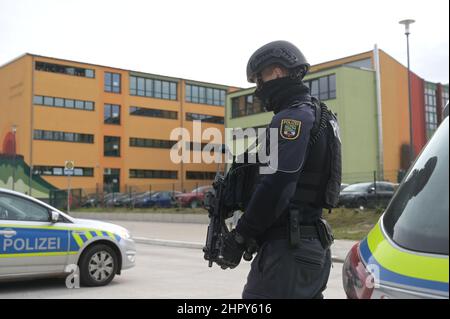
(284, 212)
(279, 270)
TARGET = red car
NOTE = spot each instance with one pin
(195, 198)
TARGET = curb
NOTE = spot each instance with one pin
(167, 243)
(146, 217)
(191, 245)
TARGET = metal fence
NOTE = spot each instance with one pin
(129, 196)
(393, 176)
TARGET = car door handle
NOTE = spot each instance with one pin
(8, 232)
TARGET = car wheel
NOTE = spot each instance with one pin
(361, 202)
(195, 204)
(98, 266)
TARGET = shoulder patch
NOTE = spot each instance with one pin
(290, 129)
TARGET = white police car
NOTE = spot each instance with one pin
(37, 240)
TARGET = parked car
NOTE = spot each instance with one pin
(141, 200)
(162, 199)
(195, 198)
(343, 185)
(367, 194)
(406, 254)
(128, 200)
(90, 201)
(111, 199)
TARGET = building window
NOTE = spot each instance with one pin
(70, 104)
(38, 100)
(204, 118)
(444, 96)
(149, 173)
(149, 87)
(141, 111)
(194, 146)
(59, 171)
(79, 104)
(245, 105)
(111, 114)
(151, 143)
(112, 82)
(205, 95)
(323, 88)
(64, 103)
(111, 146)
(59, 102)
(200, 175)
(64, 69)
(430, 109)
(88, 105)
(48, 101)
(63, 136)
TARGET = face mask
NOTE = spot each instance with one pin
(268, 90)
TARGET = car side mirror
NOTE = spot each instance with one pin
(54, 218)
(371, 190)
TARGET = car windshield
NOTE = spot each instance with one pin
(357, 187)
(417, 217)
(201, 189)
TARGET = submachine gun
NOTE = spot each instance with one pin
(232, 192)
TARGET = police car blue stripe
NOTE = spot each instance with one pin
(34, 240)
(73, 244)
(389, 276)
(83, 237)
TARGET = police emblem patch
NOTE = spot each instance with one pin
(290, 129)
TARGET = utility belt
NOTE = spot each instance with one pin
(294, 231)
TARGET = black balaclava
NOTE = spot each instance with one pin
(276, 94)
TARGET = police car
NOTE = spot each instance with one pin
(406, 254)
(37, 240)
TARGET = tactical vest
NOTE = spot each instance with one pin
(319, 183)
(320, 180)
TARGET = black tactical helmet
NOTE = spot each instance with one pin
(276, 52)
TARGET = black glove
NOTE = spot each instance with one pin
(233, 247)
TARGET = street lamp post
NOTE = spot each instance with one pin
(14, 129)
(407, 23)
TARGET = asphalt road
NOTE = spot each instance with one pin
(161, 272)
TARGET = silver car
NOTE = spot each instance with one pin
(38, 240)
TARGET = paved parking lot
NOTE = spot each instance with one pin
(161, 272)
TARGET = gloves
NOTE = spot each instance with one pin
(233, 246)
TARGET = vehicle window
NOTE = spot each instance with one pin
(384, 187)
(16, 208)
(165, 195)
(357, 187)
(417, 217)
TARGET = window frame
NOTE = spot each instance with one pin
(25, 200)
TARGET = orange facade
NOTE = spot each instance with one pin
(20, 81)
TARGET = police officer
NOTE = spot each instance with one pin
(284, 212)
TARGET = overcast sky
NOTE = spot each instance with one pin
(211, 40)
